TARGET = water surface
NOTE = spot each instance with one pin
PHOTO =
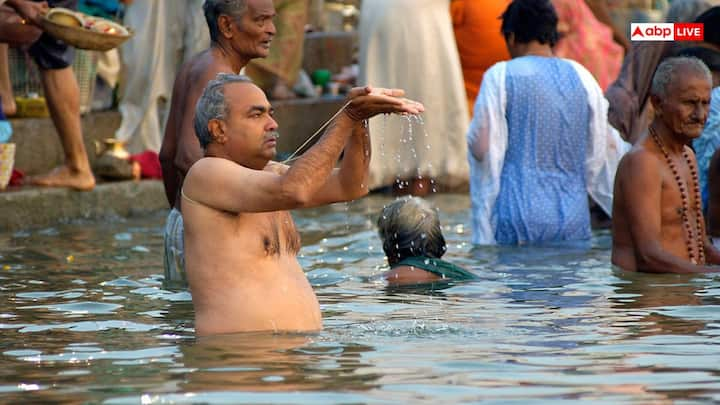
(85, 318)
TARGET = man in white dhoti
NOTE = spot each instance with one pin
(410, 44)
(167, 34)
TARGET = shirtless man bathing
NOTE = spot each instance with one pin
(240, 30)
(240, 240)
(658, 224)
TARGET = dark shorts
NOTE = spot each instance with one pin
(50, 53)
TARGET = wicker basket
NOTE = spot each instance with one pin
(25, 76)
(84, 38)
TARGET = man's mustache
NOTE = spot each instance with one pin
(272, 135)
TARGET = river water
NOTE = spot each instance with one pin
(85, 318)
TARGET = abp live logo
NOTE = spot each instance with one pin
(667, 32)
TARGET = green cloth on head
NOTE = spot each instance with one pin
(444, 269)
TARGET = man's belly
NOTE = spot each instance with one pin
(272, 295)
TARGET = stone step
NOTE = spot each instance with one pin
(32, 207)
(38, 147)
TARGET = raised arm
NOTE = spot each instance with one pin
(350, 180)
(640, 187)
(226, 186)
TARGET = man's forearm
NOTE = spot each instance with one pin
(312, 170)
(356, 161)
(663, 262)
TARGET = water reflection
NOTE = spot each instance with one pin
(85, 319)
(263, 362)
(645, 295)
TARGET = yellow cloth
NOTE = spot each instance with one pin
(286, 51)
(479, 41)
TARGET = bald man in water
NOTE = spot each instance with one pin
(658, 225)
(240, 30)
(241, 241)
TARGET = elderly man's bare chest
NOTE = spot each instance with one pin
(678, 199)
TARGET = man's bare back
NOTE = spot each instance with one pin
(180, 147)
(268, 291)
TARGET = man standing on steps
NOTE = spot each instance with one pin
(62, 95)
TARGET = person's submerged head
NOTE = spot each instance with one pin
(526, 21)
(234, 119)
(410, 227)
(245, 25)
(680, 94)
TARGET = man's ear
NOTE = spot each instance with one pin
(217, 129)
(225, 23)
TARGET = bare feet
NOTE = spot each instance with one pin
(9, 107)
(63, 176)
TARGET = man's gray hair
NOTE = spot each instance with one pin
(668, 70)
(212, 105)
(688, 10)
(410, 227)
(214, 8)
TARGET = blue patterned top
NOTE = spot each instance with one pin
(543, 195)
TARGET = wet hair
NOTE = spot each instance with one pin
(212, 104)
(530, 20)
(711, 20)
(687, 10)
(410, 227)
(710, 57)
(669, 69)
(214, 8)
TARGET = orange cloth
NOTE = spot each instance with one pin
(479, 41)
(588, 41)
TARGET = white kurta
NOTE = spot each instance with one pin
(410, 44)
(167, 34)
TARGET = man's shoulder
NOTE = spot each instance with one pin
(640, 159)
(210, 165)
(202, 68)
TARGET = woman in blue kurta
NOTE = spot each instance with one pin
(539, 141)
